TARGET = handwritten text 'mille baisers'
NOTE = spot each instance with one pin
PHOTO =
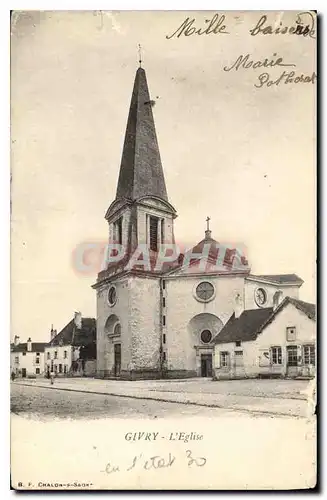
(264, 79)
(303, 25)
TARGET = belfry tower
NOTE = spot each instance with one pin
(140, 215)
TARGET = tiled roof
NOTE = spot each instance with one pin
(22, 347)
(71, 335)
(230, 257)
(243, 328)
(217, 258)
(280, 279)
(253, 321)
(306, 307)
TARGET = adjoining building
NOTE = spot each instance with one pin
(72, 352)
(278, 341)
(160, 321)
(27, 358)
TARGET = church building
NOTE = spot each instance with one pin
(159, 310)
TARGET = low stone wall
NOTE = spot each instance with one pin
(147, 374)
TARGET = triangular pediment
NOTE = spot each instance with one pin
(156, 202)
(210, 256)
(207, 266)
(116, 206)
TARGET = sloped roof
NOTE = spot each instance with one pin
(22, 347)
(306, 307)
(71, 335)
(253, 321)
(280, 279)
(243, 328)
(141, 172)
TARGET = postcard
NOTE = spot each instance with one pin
(163, 247)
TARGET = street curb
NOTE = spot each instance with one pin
(158, 398)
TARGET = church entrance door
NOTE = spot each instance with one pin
(117, 348)
(206, 365)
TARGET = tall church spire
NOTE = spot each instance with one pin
(141, 171)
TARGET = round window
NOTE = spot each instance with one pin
(205, 291)
(112, 296)
(206, 336)
(260, 296)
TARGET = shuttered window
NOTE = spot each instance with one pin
(162, 230)
(290, 333)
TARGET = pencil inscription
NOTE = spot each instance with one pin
(156, 462)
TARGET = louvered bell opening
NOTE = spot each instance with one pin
(154, 234)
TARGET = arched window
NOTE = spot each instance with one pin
(111, 323)
(117, 329)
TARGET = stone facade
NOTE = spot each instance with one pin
(107, 318)
(270, 289)
(187, 317)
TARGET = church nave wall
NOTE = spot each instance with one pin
(182, 307)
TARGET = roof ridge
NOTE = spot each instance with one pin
(302, 301)
(257, 309)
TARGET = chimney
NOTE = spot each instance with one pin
(29, 344)
(16, 340)
(78, 320)
(53, 333)
(239, 307)
(277, 299)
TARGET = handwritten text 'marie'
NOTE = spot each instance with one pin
(245, 62)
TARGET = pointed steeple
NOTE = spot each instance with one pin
(141, 170)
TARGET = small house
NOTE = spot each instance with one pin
(277, 341)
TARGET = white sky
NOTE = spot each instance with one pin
(244, 156)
